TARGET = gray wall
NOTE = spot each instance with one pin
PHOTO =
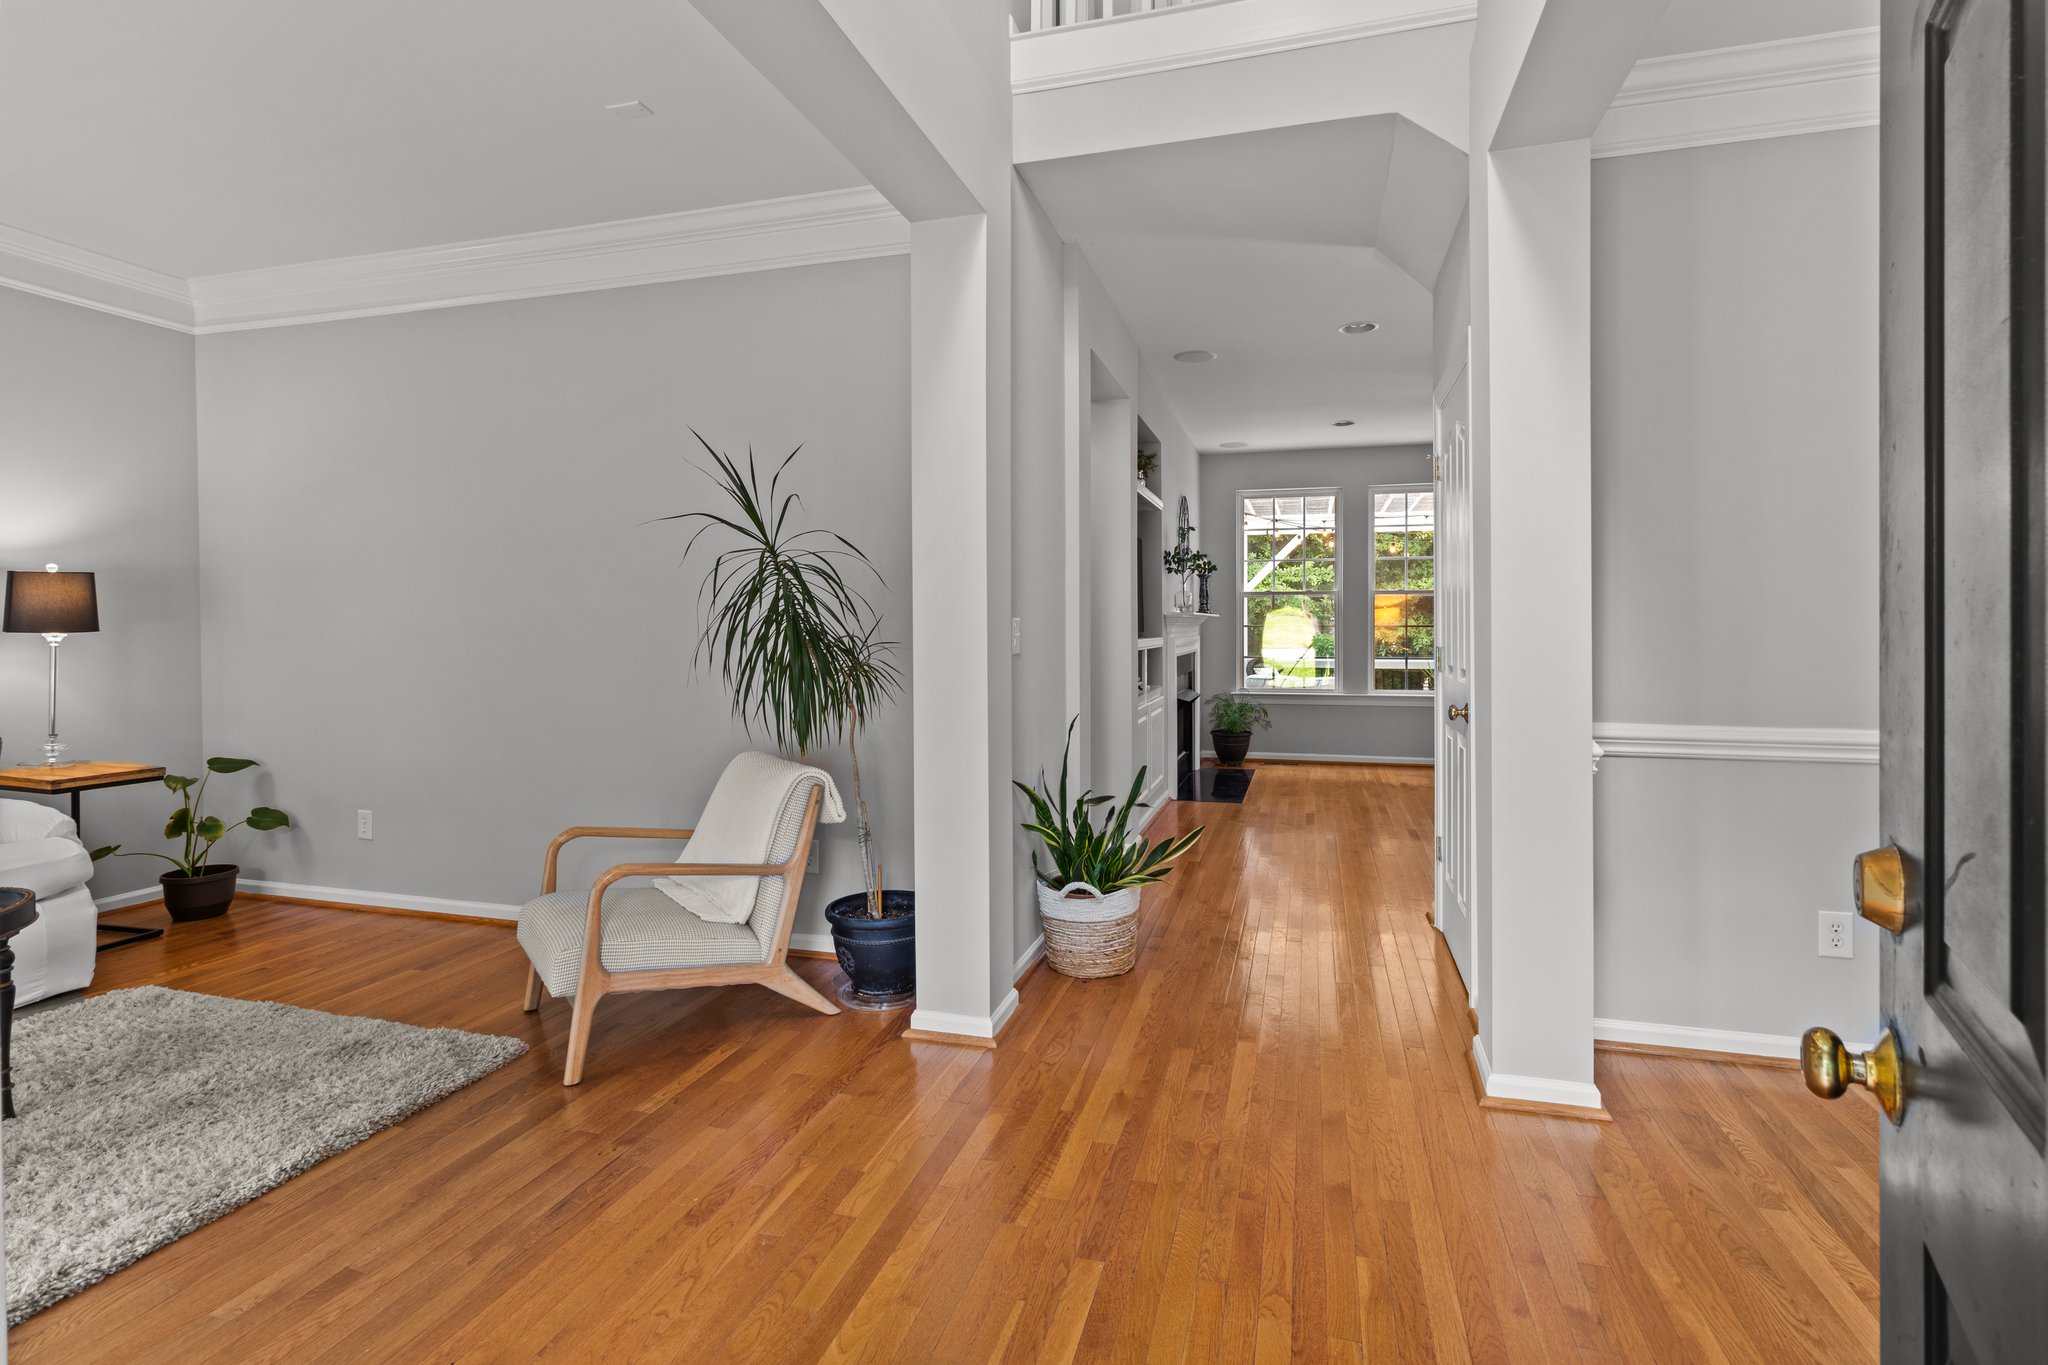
(1451, 300)
(1379, 728)
(96, 457)
(1735, 572)
(431, 589)
(1038, 535)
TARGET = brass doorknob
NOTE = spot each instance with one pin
(1879, 881)
(1459, 712)
(1830, 1069)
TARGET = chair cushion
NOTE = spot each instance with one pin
(757, 796)
(21, 820)
(643, 930)
(45, 866)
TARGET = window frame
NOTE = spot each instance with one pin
(1241, 567)
(1372, 686)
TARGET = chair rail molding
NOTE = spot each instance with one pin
(1761, 744)
(1200, 34)
(1738, 94)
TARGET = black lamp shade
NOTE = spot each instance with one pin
(50, 603)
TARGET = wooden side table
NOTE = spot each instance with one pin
(17, 912)
(72, 779)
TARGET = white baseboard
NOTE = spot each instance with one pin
(966, 1025)
(1696, 1039)
(812, 943)
(1501, 1085)
(386, 900)
(1332, 758)
(140, 896)
(1029, 956)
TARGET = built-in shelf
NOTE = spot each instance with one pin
(1196, 615)
(1149, 496)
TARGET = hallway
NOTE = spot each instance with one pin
(1261, 1145)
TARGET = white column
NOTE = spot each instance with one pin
(1533, 702)
(960, 593)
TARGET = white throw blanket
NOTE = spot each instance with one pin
(739, 826)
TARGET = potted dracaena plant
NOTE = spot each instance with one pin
(797, 647)
(1088, 898)
(1231, 722)
(196, 887)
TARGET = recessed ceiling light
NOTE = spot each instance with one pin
(1194, 357)
(1343, 422)
(630, 109)
(1353, 329)
(1232, 445)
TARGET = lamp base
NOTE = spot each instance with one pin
(53, 752)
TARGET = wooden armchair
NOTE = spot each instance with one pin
(585, 945)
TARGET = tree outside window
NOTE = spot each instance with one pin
(1288, 544)
(1404, 589)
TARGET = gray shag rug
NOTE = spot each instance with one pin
(143, 1114)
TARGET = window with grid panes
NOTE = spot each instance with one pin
(1404, 588)
(1287, 541)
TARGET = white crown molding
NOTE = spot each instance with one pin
(42, 265)
(1201, 34)
(769, 234)
(1738, 94)
(731, 239)
(1765, 744)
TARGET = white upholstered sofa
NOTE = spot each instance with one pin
(39, 849)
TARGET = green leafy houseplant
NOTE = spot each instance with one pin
(1099, 851)
(198, 830)
(794, 640)
(1237, 715)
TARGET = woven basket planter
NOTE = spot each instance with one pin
(1089, 935)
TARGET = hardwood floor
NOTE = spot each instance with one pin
(1261, 1145)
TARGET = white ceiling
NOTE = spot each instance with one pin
(1258, 246)
(208, 136)
(1701, 25)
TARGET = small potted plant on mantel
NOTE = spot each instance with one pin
(1186, 561)
(195, 888)
(796, 646)
(1231, 722)
(1088, 900)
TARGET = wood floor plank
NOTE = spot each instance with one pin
(1261, 1145)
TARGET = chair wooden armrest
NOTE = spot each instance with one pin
(547, 874)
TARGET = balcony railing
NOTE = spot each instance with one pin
(1049, 14)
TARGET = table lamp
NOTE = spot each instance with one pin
(52, 605)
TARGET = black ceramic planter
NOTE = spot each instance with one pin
(1231, 747)
(879, 956)
(201, 897)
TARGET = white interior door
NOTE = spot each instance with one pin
(1455, 861)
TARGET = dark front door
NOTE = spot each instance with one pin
(1965, 730)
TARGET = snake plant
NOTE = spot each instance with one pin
(1099, 851)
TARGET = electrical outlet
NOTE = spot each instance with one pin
(362, 824)
(1837, 933)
